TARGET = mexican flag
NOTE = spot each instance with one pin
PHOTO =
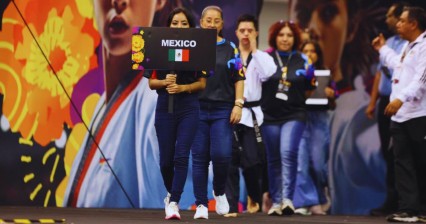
(179, 55)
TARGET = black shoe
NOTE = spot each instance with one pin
(383, 211)
(402, 217)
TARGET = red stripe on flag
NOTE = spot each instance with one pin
(185, 55)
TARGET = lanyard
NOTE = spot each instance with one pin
(281, 64)
(408, 49)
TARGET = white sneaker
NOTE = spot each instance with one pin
(275, 209)
(302, 211)
(172, 211)
(166, 201)
(287, 207)
(222, 206)
(201, 212)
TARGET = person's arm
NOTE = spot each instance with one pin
(189, 88)
(238, 106)
(331, 96)
(369, 111)
(310, 79)
(264, 64)
(388, 56)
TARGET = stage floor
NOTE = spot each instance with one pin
(95, 216)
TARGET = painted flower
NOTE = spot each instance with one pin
(37, 104)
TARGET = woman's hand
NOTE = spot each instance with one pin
(174, 88)
(236, 114)
(170, 79)
(329, 92)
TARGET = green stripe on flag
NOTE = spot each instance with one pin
(171, 54)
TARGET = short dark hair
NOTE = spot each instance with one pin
(399, 7)
(418, 14)
(248, 18)
(189, 16)
(275, 29)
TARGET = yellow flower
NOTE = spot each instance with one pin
(138, 43)
(138, 57)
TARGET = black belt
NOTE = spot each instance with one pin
(252, 104)
(256, 127)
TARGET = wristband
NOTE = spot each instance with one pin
(239, 101)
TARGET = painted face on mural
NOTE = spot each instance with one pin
(327, 22)
(115, 19)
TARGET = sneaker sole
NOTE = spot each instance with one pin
(275, 214)
(201, 217)
(409, 220)
(172, 217)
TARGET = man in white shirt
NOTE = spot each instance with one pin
(408, 110)
(380, 95)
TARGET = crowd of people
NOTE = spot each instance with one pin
(251, 114)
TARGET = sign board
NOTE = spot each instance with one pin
(178, 49)
(319, 97)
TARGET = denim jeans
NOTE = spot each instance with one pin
(312, 160)
(213, 142)
(176, 132)
(282, 145)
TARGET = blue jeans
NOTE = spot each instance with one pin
(212, 142)
(282, 145)
(176, 132)
(312, 161)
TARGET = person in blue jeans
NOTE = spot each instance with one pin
(283, 104)
(312, 171)
(176, 130)
(220, 107)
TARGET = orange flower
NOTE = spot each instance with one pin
(36, 103)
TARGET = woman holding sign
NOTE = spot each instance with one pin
(284, 96)
(176, 130)
(220, 107)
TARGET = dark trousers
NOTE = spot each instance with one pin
(176, 132)
(409, 145)
(384, 121)
(248, 155)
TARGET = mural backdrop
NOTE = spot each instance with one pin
(52, 91)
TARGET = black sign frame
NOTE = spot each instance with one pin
(151, 47)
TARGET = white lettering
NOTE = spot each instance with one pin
(178, 43)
